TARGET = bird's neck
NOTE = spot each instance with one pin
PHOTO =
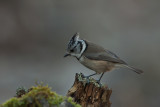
(84, 47)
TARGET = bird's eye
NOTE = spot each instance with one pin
(71, 50)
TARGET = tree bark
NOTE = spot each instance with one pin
(88, 93)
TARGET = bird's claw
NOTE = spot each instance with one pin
(87, 79)
(99, 83)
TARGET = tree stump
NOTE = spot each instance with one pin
(88, 93)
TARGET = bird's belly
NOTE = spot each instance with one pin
(96, 65)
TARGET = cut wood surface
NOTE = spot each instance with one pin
(88, 93)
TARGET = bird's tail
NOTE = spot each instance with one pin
(138, 71)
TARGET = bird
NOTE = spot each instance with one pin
(95, 57)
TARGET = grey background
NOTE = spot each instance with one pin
(34, 35)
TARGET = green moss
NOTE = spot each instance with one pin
(70, 100)
(38, 97)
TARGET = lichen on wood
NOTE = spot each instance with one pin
(89, 93)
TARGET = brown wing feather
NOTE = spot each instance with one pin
(96, 52)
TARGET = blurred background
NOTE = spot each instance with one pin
(34, 36)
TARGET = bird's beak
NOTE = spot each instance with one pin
(67, 54)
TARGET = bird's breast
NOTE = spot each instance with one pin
(96, 65)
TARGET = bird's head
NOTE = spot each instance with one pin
(76, 46)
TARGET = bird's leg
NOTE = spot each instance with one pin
(87, 77)
(90, 75)
(98, 81)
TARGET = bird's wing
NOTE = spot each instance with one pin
(96, 52)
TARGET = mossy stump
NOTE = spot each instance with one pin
(39, 96)
(88, 93)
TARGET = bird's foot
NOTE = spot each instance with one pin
(87, 78)
(98, 82)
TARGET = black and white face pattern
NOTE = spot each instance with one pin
(76, 46)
